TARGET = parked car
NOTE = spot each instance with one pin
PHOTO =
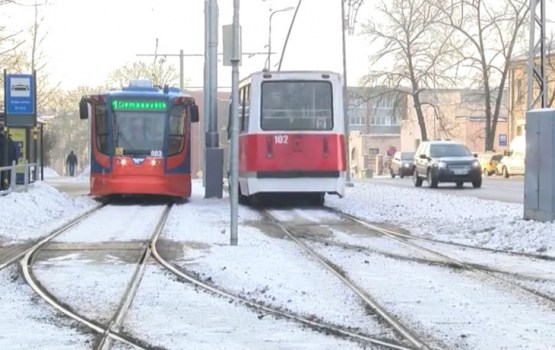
(488, 162)
(402, 164)
(446, 161)
(513, 161)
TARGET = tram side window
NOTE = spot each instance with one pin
(177, 130)
(101, 122)
(244, 107)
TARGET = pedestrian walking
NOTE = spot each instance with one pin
(71, 163)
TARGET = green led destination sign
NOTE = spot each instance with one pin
(144, 105)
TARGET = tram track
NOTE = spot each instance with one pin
(368, 301)
(107, 333)
(312, 228)
(310, 321)
(448, 260)
(111, 331)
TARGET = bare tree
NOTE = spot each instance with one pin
(550, 72)
(64, 130)
(412, 36)
(491, 30)
(24, 53)
(159, 72)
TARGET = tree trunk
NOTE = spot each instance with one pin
(420, 117)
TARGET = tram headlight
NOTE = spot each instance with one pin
(154, 162)
(123, 161)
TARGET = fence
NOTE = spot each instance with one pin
(29, 176)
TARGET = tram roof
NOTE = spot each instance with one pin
(292, 74)
(148, 91)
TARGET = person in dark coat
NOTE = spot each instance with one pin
(6, 158)
(71, 162)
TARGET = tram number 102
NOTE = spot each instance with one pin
(281, 139)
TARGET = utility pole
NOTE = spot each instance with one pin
(347, 23)
(536, 72)
(234, 159)
(214, 155)
(205, 86)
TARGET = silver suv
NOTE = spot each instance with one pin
(446, 161)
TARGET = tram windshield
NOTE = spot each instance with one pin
(139, 133)
(297, 105)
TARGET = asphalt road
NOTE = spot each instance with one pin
(493, 188)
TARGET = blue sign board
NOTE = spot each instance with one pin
(20, 94)
(502, 140)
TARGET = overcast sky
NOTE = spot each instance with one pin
(89, 39)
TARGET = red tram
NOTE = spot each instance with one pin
(140, 140)
(291, 135)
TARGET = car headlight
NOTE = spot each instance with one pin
(406, 165)
(475, 164)
(440, 164)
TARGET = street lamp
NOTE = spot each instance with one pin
(270, 32)
(347, 23)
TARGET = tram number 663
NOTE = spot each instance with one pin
(281, 139)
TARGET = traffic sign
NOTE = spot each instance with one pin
(502, 140)
(20, 97)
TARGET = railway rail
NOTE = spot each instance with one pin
(428, 252)
(107, 332)
(447, 259)
(110, 332)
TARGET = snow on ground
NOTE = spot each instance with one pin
(425, 213)
(50, 173)
(462, 219)
(31, 214)
(203, 226)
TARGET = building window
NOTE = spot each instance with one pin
(383, 120)
(357, 111)
(373, 151)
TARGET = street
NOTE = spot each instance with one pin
(509, 190)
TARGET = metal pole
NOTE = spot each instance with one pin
(213, 89)
(205, 92)
(269, 40)
(345, 98)
(531, 56)
(234, 147)
(181, 78)
(41, 152)
(213, 155)
(536, 72)
(289, 34)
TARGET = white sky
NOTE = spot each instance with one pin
(87, 40)
(461, 309)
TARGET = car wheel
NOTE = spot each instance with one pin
(460, 184)
(477, 183)
(402, 175)
(392, 173)
(416, 180)
(505, 172)
(432, 180)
